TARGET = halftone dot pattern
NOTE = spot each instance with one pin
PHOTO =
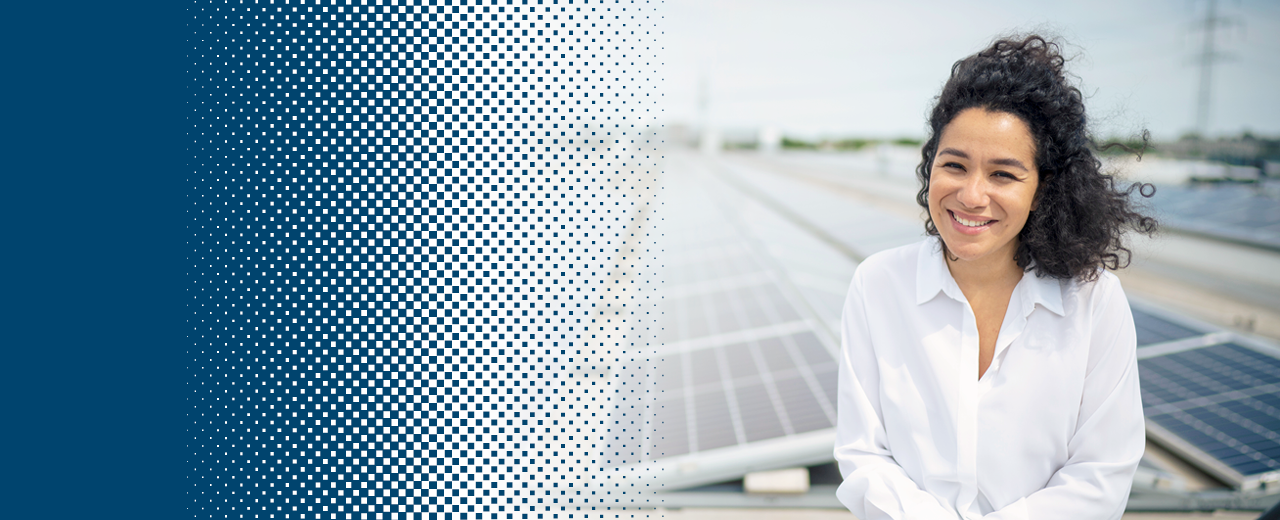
(420, 258)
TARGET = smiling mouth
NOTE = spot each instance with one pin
(968, 223)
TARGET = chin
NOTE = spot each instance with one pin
(979, 248)
(965, 250)
(964, 253)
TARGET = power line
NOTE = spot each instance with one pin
(1208, 56)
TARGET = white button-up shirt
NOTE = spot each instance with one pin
(1052, 430)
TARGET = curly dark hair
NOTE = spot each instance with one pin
(1081, 216)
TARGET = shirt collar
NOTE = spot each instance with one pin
(931, 271)
(932, 277)
(1046, 291)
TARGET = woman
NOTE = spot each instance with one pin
(990, 371)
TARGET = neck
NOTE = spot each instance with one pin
(996, 270)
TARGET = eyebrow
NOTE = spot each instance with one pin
(1002, 162)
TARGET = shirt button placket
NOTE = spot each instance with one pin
(967, 414)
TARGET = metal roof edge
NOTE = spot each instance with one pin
(818, 497)
(1203, 501)
(730, 463)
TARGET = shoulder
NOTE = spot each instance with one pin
(1100, 309)
(890, 271)
(1103, 295)
(902, 259)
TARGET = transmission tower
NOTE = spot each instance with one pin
(1208, 56)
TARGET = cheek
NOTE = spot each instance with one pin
(935, 206)
(937, 187)
(1019, 209)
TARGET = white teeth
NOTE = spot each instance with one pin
(970, 223)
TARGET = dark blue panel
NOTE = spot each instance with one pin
(94, 157)
(1152, 330)
(1222, 404)
(1233, 212)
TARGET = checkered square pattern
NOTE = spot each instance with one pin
(420, 257)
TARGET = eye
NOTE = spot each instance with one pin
(1005, 175)
(954, 165)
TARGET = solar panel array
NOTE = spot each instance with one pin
(1223, 400)
(1211, 396)
(1153, 329)
(744, 365)
(741, 362)
(1250, 213)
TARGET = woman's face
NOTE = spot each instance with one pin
(983, 184)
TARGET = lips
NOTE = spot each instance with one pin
(968, 220)
(970, 225)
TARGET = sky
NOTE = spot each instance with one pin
(825, 68)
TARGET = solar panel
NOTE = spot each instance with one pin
(743, 392)
(1247, 213)
(744, 366)
(862, 228)
(1219, 405)
(1153, 329)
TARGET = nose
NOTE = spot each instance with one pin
(973, 192)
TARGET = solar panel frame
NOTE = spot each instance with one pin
(1236, 213)
(1226, 441)
(1167, 317)
(1153, 330)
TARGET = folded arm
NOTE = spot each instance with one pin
(1110, 438)
(875, 487)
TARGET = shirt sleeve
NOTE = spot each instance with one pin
(875, 487)
(1110, 438)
